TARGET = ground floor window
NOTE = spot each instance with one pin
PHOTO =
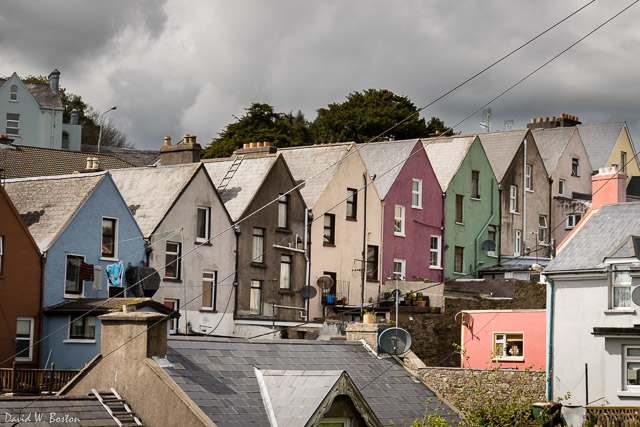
(82, 328)
(24, 339)
(508, 345)
(631, 367)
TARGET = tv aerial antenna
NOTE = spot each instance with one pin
(486, 116)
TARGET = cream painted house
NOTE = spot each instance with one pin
(339, 201)
(610, 144)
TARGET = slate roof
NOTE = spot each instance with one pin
(551, 143)
(501, 147)
(218, 375)
(106, 305)
(599, 140)
(310, 161)
(88, 410)
(308, 389)
(21, 161)
(245, 183)
(151, 191)
(609, 228)
(386, 160)
(42, 93)
(47, 204)
(129, 155)
(446, 156)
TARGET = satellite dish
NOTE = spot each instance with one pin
(325, 282)
(463, 318)
(635, 295)
(488, 245)
(394, 341)
(308, 292)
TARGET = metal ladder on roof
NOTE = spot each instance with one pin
(117, 408)
(230, 172)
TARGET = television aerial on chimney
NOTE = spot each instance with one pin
(486, 116)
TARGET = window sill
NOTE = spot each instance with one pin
(72, 296)
(203, 243)
(416, 207)
(434, 267)
(208, 310)
(528, 190)
(286, 292)
(172, 279)
(476, 199)
(508, 359)
(514, 212)
(628, 393)
(492, 254)
(351, 219)
(258, 265)
(104, 258)
(79, 341)
(576, 176)
(283, 230)
(459, 223)
(620, 311)
(23, 359)
(399, 234)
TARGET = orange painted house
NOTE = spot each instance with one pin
(503, 338)
(21, 272)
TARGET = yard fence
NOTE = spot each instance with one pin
(34, 381)
(613, 416)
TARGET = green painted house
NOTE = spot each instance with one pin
(472, 203)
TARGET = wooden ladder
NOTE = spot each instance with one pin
(230, 172)
(117, 408)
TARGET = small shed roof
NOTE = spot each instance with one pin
(446, 155)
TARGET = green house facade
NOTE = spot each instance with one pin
(472, 203)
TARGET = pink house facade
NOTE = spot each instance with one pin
(503, 338)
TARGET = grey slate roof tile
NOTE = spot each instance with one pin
(501, 147)
(446, 155)
(386, 160)
(551, 143)
(599, 140)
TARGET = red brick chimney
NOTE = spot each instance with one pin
(608, 186)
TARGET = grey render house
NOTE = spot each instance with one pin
(32, 114)
(257, 189)
(190, 242)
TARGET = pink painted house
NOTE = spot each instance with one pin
(413, 206)
(505, 338)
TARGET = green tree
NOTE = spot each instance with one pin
(367, 115)
(88, 117)
(259, 124)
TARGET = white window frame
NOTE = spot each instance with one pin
(542, 229)
(13, 93)
(85, 340)
(513, 199)
(114, 257)
(561, 187)
(625, 370)
(66, 264)
(178, 261)
(494, 240)
(286, 268)
(207, 224)
(399, 273)
(256, 291)
(258, 245)
(209, 284)
(416, 194)
(173, 322)
(619, 269)
(435, 252)
(504, 338)
(346, 422)
(517, 242)
(398, 221)
(528, 169)
(15, 124)
(32, 322)
(573, 220)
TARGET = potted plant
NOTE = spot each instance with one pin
(420, 302)
(369, 317)
(411, 298)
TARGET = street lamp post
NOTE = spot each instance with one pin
(100, 126)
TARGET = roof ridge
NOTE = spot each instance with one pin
(52, 177)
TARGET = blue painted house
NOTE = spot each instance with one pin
(82, 226)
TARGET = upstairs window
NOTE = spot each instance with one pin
(435, 252)
(13, 124)
(458, 259)
(82, 328)
(209, 289)
(283, 211)
(542, 228)
(109, 238)
(255, 299)
(492, 231)
(459, 208)
(527, 178)
(172, 260)
(620, 286)
(352, 204)
(399, 267)
(575, 165)
(573, 220)
(329, 233)
(13, 93)
(72, 283)
(508, 346)
(257, 254)
(623, 161)
(475, 184)
(517, 242)
(285, 271)
(372, 262)
(203, 222)
(398, 221)
(65, 140)
(416, 193)
(513, 199)
(561, 187)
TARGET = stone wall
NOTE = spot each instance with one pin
(463, 387)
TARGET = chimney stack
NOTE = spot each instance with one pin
(146, 331)
(54, 81)
(608, 186)
(256, 149)
(188, 151)
(74, 117)
(565, 120)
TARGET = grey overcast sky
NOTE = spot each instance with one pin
(174, 67)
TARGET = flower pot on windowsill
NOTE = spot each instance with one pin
(369, 319)
(421, 303)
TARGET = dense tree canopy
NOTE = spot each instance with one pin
(88, 117)
(260, 123)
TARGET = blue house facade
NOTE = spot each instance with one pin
(85, 229)
(31, 114)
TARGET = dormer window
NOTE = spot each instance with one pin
(13, 93)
